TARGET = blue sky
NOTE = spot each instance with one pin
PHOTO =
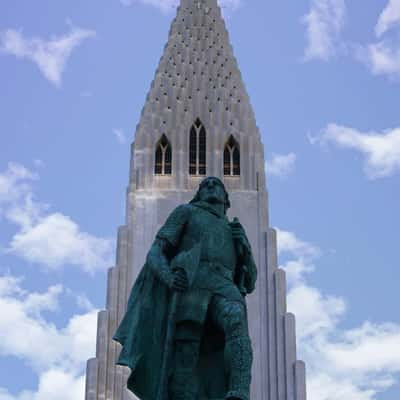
(324, 80)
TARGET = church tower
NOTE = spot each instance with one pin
(197, 122)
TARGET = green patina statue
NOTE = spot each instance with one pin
(185, 333)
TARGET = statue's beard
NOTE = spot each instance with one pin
(214, 200)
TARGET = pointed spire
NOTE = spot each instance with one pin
(197, 77)
(198, 74)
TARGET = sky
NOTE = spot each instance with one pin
(324, 80)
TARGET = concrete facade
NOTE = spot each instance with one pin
(198, 77)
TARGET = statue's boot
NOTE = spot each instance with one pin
(239, 358)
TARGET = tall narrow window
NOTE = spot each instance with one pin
(197, 149)
(163, 157)
(232, 157)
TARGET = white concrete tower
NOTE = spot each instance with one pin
(197, 122)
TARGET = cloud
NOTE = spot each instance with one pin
(56, 356)
(231, 5)
(81, 300)
(15, 182)
(45, 346)
(50, 56)
(356, 363)
(381, 150)
(290, 243)
(382, 58)
(49, 239)
(280, 164)
(55, 240)
(120, 135)
(53, 385)
(324, 23)
(389, 18)
(168, 5)
(315, 312)
(304, 252)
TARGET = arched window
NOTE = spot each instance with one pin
(197, 149)
(163, 157)
(232, 157)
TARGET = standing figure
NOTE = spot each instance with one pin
(211, 353)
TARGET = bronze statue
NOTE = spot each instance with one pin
(185, 333)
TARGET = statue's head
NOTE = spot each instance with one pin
(212, 190)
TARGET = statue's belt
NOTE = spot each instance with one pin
(217, 267)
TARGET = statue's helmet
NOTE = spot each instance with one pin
(196, 198)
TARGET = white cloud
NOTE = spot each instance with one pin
(315, 312)
(304, 252)
(53, 385)
(290, 243)
(57, 356)
(324, 23)
(168, 5)
(280, 164)
(50, 56)
(15, 182)
(381, 150)
(231, 5)
(355, 364)
(27, 335)
(120, 135)
(56, 240)
(49, 239)
(81, 300)
(382, 58)
(389, 17)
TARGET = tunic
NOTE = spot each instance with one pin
(188, 225)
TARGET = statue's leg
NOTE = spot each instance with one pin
(183, 384)
(230, 316)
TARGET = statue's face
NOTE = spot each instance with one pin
(212, 191)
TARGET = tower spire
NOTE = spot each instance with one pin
(197, 77)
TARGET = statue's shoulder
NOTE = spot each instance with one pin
(180, 214)
(183, 210)
(175, 223)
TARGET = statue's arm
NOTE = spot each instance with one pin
(158, 262)
(250, 273)
(246, 259)
(165, 245)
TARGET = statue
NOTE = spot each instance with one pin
(185, 333)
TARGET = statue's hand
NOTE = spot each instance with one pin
(179, 281)
(239, 235)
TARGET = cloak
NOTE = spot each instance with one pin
(142, 334)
